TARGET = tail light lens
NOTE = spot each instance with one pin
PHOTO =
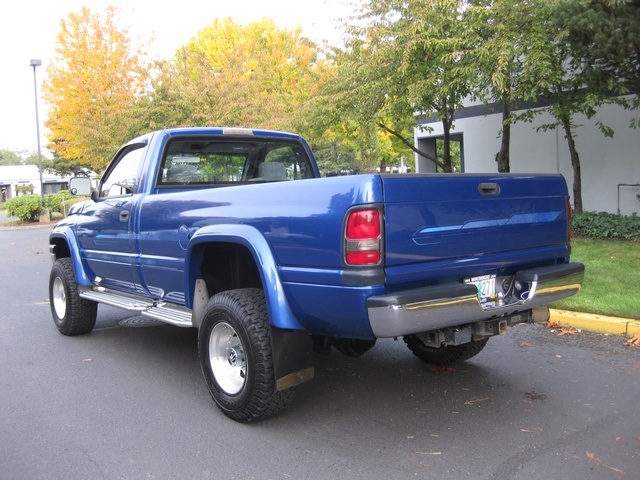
(363, 237)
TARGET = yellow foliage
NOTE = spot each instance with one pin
(91, 85)
(229, 74)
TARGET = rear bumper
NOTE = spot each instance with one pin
(442, 306)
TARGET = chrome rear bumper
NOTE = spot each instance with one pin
(442, 306)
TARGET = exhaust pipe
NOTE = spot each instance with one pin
(540, 314)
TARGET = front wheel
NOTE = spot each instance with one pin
(234, 347)
(72, 315)
(446, 354)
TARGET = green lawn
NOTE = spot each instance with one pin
(612, 278)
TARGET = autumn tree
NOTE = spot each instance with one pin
(352, 107)
(233, 75)
(91, 86)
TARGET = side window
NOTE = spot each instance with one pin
(121, 179)
(284, 163)
(206, 168)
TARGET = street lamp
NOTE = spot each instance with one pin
(36, 62)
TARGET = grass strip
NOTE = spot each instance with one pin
(612, 278)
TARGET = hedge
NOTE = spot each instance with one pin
(602, 225)
(55, 202)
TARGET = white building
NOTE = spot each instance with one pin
(610, 166)
(12, 176)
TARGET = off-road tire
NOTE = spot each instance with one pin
(71, 314)
(234, 348)
(446, 354)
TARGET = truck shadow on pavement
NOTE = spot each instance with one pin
(385, 384)
(389, 384)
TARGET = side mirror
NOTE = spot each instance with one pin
(80, 186)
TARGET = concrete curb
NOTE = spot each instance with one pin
(596, 323)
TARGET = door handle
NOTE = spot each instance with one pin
(489, 188)
(124, 215)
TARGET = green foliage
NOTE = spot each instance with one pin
(334, 158)
(602, 225)
(455, 153)
(514, 40)
(18, 157)
(11, 157)
(604, 37)
(63, 167)
(57, 201)
(27, 208)
(402, 58)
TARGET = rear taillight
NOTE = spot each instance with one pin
(363, 238)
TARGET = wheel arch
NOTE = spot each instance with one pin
(63, 243)
(248, 248)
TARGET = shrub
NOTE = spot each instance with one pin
(55, 202)
(27, 207)
(602, 225)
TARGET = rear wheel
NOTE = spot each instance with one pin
(72, 315)
(446, 354)
(234, 347)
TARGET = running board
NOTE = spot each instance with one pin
(175, 315)
(158, 310)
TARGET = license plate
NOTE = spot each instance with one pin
(486, 285)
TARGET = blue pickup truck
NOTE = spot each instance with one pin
(233, 232)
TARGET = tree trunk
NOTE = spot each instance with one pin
(446, 147)
(575, 163)
(383, 165)
(502, 158)
(446, 153)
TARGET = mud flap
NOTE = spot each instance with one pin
(292, 357)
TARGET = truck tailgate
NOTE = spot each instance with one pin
(464, 225)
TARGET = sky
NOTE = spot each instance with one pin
(29, 29)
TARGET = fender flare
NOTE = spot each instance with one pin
(67, 235)
(280, 314)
